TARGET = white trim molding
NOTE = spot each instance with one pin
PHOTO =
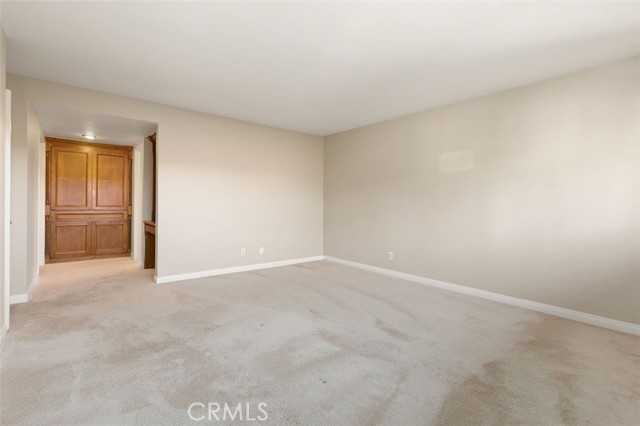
(3, 334)
(234, 269)
(17, 299)
(598, 321)
(34, 285)
(6, 216)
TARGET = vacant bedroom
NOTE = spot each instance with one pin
(320, 213)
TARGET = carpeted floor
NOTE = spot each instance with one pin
(319, 343)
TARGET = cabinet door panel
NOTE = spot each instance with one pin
(112, 180)
(110, 237)
(70, 239)
(71, 178)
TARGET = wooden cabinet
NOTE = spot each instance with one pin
(88, 206)
(149, 244)
(150, 225)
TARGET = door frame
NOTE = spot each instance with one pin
(136, 202)
(7, 211)
(137, 243)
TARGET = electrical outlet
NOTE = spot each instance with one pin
(390, 255)
(243, 251)
(261, 250)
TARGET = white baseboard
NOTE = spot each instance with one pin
(3, 334)
(16, 299)
(32, 288)
(233, 270)
(621, 326)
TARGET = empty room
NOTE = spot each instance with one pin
(319, 213)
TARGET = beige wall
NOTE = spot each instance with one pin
(19, 171)
(3, 52)
(24, 193)
(147, 187)
(222, 184)
(35, 138)
(550, 213)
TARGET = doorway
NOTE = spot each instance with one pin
(88, 191)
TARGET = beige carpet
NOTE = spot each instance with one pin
(319, 343)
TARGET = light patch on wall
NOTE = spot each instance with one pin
(456, 161)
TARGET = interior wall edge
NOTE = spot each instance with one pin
(33, 285)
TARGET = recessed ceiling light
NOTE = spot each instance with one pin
(90, 137)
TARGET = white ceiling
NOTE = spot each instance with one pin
(69, 124)
(315, 67)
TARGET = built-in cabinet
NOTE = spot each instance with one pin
(88, 200)
(150, 225)
(149, 244)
